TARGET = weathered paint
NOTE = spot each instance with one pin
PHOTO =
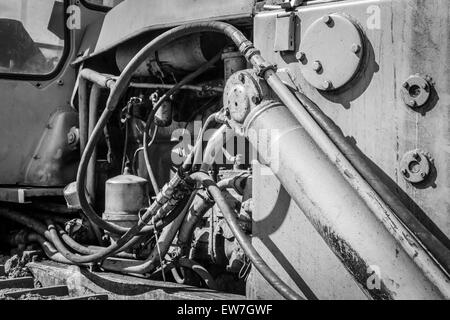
(25, 110)
(412, 37)
(371, 112)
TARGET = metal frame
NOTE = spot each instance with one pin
(61, 63)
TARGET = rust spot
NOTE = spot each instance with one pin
(355, 264)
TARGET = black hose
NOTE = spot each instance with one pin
(116, 246)
(242, 238)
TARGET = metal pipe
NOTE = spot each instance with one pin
(83, 112)
(102, 80)
(337, 204)
(403, 236)
(170, 86)
(431, 243)
(94, 102)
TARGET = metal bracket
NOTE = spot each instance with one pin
(285, 32)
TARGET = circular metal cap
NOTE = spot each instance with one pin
(242, 92)
(334, 43)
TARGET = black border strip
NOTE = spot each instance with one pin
(62, 61)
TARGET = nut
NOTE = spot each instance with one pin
(356, 48)
(300, 56)
(327, 19)
(327, 84)
(317, 66)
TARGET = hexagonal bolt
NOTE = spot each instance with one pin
(327, 84)
(356, 48)
(327, 20)
(422, 174)
(300, 56)
(256, 100)
(71, 138)
(317, 66)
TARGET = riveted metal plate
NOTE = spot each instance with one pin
(331, 51)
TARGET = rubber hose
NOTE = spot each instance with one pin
(243, 239)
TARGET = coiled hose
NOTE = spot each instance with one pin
(243, 240)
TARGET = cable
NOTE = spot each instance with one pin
(243, 239)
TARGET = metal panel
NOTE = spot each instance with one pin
(290, 244)
(403, 38)
(131, 18)
(25, 108)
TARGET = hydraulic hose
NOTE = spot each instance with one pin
(48, 248)
(242, 238)
(165, 240)
(198, 269)
(245, 46)
(116, 246)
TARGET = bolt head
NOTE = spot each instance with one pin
(356, 48)
(256, 100)
(422, 174)
(327, 19)
(405, 85)
(412, 103)
(326, 84)
(241, 78)
(71, 138)
(300, 56)
(317, 66)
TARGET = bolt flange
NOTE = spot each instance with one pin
(415, 166)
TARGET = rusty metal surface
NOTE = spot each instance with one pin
(131, 18)
(405, 37)
(305, 260)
